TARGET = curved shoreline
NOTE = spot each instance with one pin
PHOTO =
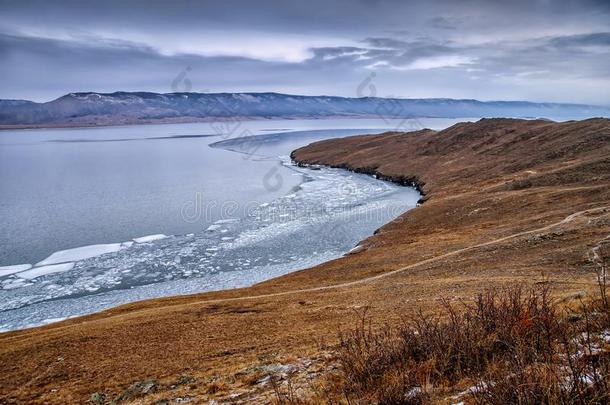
(402, 180)
(58, 307)
(482, 228)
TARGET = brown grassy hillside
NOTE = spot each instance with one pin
(507, 202)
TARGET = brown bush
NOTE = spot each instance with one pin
(514, 346)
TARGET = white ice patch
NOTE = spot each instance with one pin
(80, 253)
(6, 270)
(53, 320)
(226, 221)
(45, 270)
(150, 238)
(212, 228)
(356, 249)
(11, 283)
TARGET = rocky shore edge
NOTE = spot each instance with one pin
(405, 181)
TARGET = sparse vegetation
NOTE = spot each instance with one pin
(216, 386)
(511, 346)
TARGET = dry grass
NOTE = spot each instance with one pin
(218, 386)
(512, 346)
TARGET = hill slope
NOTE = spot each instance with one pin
(508, 201)
(78, 109)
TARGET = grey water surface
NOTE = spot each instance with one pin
(224, 215)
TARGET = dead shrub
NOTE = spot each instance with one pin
(515, 346)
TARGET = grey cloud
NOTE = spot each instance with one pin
(541, 49)
(42, 63)
(563, 56)
(338, 52)
(390, 43)
(601, 39)
(443, 23)
(397, 52)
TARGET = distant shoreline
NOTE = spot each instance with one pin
(195, 120)
(84, 110)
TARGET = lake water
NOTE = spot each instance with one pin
(222, 202)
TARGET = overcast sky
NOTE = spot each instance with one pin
(539, 50)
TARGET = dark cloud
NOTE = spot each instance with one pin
(442, 22)
(539, 50)
(601, 39)
(338, 52)
(390, 43)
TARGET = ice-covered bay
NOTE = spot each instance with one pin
(320, 220)
(313, 216)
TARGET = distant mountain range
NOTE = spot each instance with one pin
(84, 109)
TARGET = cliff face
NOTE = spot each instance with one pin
(509, 201)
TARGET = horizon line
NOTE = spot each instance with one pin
(302, 95)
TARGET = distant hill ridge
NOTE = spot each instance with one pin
(91, 108)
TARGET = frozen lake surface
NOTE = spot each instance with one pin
(93, 218)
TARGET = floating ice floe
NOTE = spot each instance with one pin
(80, 253)
(150, 238)
(12, 283)
(45, 270)
(319, 227)
(226, 221)
(16, 268)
